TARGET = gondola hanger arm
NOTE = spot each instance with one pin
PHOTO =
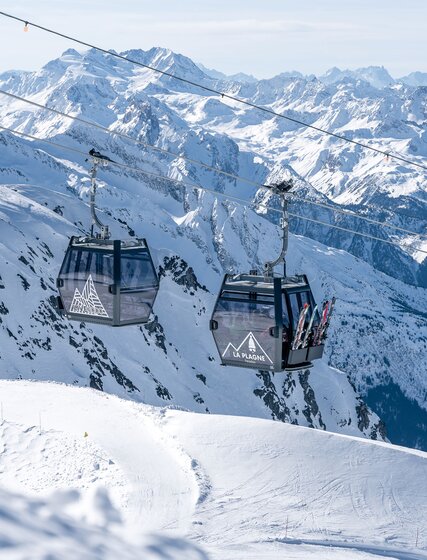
(97, 159)
(281, 189)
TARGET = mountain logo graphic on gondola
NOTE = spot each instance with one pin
(88, 302)
(250, 350)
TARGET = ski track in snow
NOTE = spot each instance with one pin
(240, 488)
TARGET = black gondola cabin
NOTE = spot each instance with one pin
(255, 319)
(108, 282)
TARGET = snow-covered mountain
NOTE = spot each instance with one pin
(239, 77)
(415, 79)
(377, 76)
(392, 118)
(87, 476)
(379, 331)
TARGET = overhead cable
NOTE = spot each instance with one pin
(202, 164)
(241, 201)
(223, 95)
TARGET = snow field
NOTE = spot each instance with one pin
(238, 487)
(149, 475)
(271, 483)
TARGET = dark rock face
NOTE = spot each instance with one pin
(278, 403)
(156, 331)
(311, 410)
(363, 416)
(162, 392)
(25, 284)
(268, 393)
(3, 309)
(181, 273)
(279, 400)
(101, 364)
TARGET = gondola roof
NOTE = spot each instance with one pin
(108, 244)
(250, 282)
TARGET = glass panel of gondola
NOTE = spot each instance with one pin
(285, 313)
(139, 286)
(244, 333)
(295, 309)
(84, 281)
(312, 303)
(287, 334)
(305, 299)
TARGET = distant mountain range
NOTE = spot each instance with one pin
(377, 76)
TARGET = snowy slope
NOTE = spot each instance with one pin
(415, 79)
(160, 362)
(236, 487)
(379, 330)
(239, 77)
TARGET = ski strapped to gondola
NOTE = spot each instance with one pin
(305, 340)
(325, 318)
(298, 334)
(265, 319)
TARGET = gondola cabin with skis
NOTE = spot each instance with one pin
(268, 321)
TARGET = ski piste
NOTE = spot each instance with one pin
(310, 326)
(328, 307)
(301, 320)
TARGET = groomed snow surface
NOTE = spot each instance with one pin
(86, 475)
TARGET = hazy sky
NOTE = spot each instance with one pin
(258, 37)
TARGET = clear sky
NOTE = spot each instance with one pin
(260, 37)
